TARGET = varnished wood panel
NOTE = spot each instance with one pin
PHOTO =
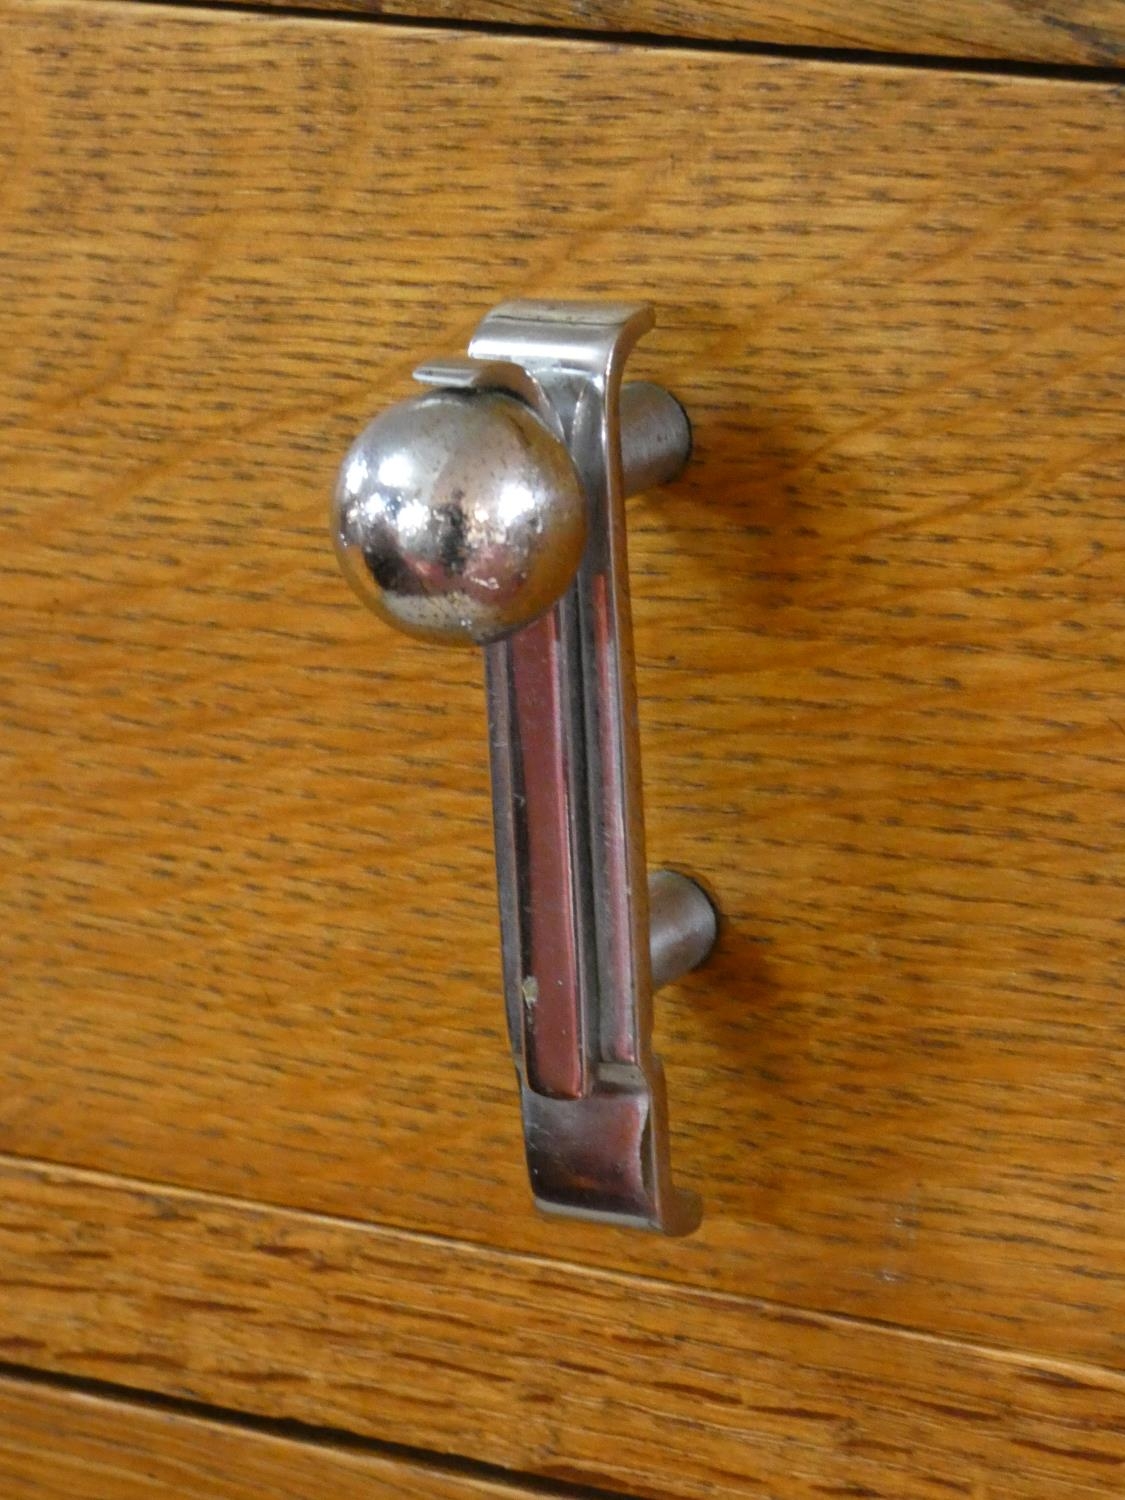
(604, 1378)
(57, 1444)
(248, 926)
(1088, 32)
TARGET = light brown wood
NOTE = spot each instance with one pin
(58, 1444)
(1090, 32)
(528, 1363)
(248, 926)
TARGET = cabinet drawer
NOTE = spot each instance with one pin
(248, 918)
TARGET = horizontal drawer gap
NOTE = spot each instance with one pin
(456, 1471)
(356, 14)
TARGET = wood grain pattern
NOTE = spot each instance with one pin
(57, 1444)
(1090, 32)
(605, 1378)
(248, 932)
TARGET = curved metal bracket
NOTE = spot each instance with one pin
(574, 899)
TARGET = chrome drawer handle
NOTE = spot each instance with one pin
(491, 510)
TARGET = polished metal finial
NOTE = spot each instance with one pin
(459, 516)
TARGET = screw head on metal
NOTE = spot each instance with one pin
(459, 516)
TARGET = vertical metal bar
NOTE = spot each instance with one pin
(567, 799)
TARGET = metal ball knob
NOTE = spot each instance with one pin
(459, 516)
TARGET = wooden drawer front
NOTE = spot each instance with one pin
(616, 1381)
(248, 923)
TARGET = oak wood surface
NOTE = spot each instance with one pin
(59, 1444)
(604, 1379)
(1090, 32)
(247, 924)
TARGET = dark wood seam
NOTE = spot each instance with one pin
(1086, 73)
(311, 1435)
